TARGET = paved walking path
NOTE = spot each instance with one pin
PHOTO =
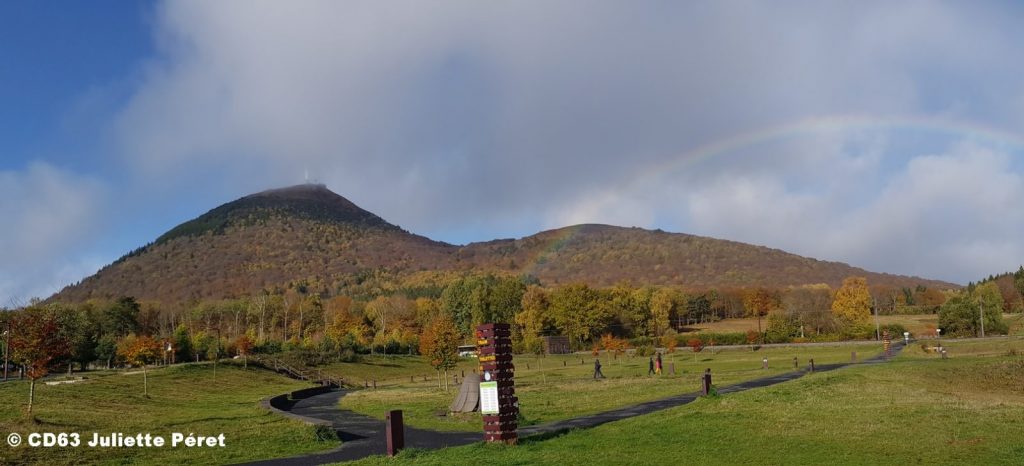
(363, 436)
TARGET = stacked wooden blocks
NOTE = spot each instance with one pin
(501, 414)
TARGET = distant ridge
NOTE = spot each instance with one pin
(309, 234)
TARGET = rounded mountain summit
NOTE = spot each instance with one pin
(310, 236)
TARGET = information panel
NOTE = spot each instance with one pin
(489, 398)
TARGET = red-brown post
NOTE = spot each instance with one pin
(395, 432)
(495, 348)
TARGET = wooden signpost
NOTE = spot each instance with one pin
(498, 402)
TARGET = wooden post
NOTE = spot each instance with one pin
(811, 366)
(395, 432)
(706, 388)
(374, 384)
(500, 413)
(672, 367)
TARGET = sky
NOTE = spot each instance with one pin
(888, 135)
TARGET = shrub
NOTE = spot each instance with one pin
(646, 350)
(895, 331)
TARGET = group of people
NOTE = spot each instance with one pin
(654, 365)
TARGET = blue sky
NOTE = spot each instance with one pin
(885, 135)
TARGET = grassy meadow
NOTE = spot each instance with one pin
(917, 409)
(553, 387)
(186, 398)
(916, 324)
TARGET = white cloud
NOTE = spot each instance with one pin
(484, 116)
(50, 215)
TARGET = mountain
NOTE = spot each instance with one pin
(311, 236)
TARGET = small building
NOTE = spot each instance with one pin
(556, 345)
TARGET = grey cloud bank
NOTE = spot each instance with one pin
(467, 121)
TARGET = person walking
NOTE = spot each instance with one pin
(657, 365)
(650, 366)
(597, 369)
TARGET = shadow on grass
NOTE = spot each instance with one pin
(210, 419)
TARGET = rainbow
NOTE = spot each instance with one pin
(560, 238)
(808, 126)
(835, 123)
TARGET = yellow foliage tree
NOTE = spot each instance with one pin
(852, 304)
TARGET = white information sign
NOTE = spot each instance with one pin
(489, 397)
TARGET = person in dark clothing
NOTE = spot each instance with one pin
(597, 369)
(650, 366)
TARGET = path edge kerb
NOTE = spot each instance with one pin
(282, 404)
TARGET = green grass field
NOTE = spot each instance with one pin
(560, 387)
(917, 409)
(917, 324)
(185, 399)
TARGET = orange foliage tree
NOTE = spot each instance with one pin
(439, 343)
(614, 345)
(140, 351)
(670, 340)
(35, 341)
(244, 346)
(696, 345)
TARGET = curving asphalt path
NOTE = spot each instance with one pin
(363, 436)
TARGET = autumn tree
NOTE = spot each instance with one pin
(758, 302)
(852, 306)
(665, 304)
(244, 347)
(140, 351)
(534, 320)
(670, 340)
(577, 312)
(809, 307)
(36, 340)
(614, 345)
(439, 343)
(696, 345)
